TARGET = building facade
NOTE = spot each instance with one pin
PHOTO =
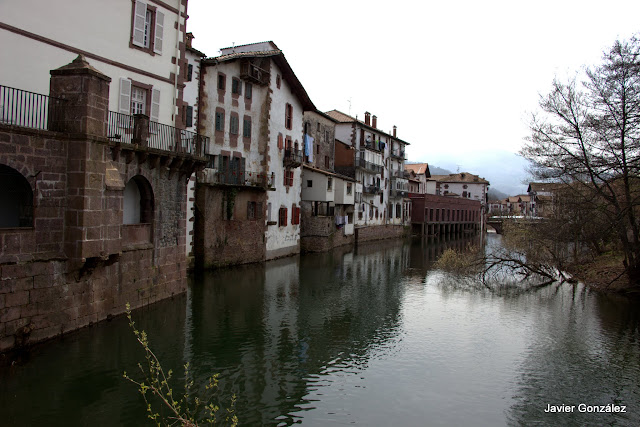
(140, 45)
(251, 105)
(375, 159)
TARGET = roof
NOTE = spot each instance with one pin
(460, 177)
(278, 57)
(341, 117)
(195, 51)
(545, 187)
(418, 168)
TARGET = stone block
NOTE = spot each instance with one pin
(19, 298)
(8, 314)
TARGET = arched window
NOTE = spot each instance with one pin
(16, 199)
(138, 201)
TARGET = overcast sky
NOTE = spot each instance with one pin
(458, 79)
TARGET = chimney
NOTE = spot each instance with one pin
(374, 122)
(367, 118)
(189, 37)
(394, 131)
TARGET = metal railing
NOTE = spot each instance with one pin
(399, 154)
(29, 109)
(372, 167)
(236, 178)
(292, 157)
(371, 189)
(122, 127)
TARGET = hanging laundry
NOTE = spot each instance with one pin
(308, 147)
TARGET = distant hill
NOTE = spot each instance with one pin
(435, 170)
(496, 194)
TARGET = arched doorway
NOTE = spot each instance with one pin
(16, 199)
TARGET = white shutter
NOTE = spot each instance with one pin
(155, 105)
(124, 103)
(139, 21)
(157, 44)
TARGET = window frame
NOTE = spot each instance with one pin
(288, 116)
(147, 23)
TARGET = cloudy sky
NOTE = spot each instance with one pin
(459, 79)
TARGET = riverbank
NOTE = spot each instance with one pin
(605, 274)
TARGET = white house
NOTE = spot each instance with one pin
(253, 112)
(463, 184)
(376, 160)
(139, 44)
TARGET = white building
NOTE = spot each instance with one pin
(463, 184)
(140, 45)
(376, 160)
(253, 112)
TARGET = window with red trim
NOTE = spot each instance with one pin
(295, 215)
(282, 217)
(288, 116)
(288, 177)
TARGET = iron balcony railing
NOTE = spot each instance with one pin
(398, 154)
(237, 178)
(374, 145)
(395, 174)
(371, 189)
(131, 130)
(292, 158)
(399, 193)
(29, 109)
(371, 167)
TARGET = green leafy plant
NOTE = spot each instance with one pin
(185, 410)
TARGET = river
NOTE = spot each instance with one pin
(373, 336)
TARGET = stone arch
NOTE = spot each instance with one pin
(138, 201)
(16, 199)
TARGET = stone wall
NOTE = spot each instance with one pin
(380, 232)
(220, 240)
(78, 263)
(319, 233)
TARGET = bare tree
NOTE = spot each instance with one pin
(587, 135)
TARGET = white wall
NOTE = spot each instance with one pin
(280, 239)
(318, 191)
(95, 26)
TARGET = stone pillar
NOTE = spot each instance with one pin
(93, 218)
(85, 94)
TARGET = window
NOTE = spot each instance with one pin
(148, 27)
(288, 116)
(236, 86)
(295, 215)
(282, 217)
(138, 201)
(326, 162)
(309, 183)
(138, 98)
(248, 90)
(349, 188)
(221, 82)
(189, 72)
(318, 128)
(234, 125)
(288, 177)
(329, 183)
(280, 141)
(327, 137)
(278, 81)
(189, 121)
(219, 121)
(398, 210)
(246, 127)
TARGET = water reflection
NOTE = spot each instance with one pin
(371, 336)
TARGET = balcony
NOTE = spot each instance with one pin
(399, 193)
(253, 73)
(398, 154)
(236, 178)
(368, 166)
(292, 158)
(28, 109)
(397, 174)
(371, 189)
(138, 129)
(376, 146)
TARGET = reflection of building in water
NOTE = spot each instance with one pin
(275, 330)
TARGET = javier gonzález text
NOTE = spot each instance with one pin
(583, 407)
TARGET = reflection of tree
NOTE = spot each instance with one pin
(273, 330)
(570, 361)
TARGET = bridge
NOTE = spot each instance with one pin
(497, 222)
